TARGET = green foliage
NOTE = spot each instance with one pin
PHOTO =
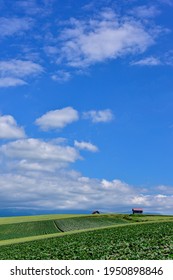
(89, 222)
(137, 241)
(18, 230)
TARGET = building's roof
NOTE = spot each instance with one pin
(95, 212)
(137, 209)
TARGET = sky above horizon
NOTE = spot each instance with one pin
(86, 105)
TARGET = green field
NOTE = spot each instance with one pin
(79, 223)
(18, 230)
(111, 236)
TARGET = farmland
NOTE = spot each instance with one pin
(44, 227)
(88, 237)
(88, 222)
(17, 230)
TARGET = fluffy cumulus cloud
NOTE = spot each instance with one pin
(107, 36)
(13, 72)
(85, 146)
(37, 174)
(34, 155)
(38, 150)
(9, 128)
(67, 189)
(57, 118)
(99, 116)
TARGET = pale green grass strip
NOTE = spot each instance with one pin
(21, 219)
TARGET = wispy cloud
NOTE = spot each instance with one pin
(167, 2)
(11, 82)
(164, 59)
(14, 25)
(99, 116)
(107, 36)
(85, 146)
(32, 7)
(19, 68)
(56, 119)
(148, 61)
(13, 72)
(9, 128)
(61, 76)
(145, 11)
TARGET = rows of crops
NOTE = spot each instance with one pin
(18, 230)
(88, 222)
(138, 241)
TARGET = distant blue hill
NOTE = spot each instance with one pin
(32, 212)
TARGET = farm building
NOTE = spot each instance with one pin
(137, 210)
(96, 212)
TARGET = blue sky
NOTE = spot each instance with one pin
(86, 105)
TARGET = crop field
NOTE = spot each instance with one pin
(135, 241)
(107, 236)
(89, 222)
(27, 229)
(18, 230)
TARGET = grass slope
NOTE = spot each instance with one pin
(21, 219)
(135, 241)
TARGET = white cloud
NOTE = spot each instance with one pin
(167, 2)
(51, 50)
(65, 189)
(145, 11)
(13, 72)
(32, 7)
(11, 82)
(57, 118)
(85, 146)
(105, 37)
(34, 149)
(164, 190)
(148, 61)
(99, 116)
(9, 128)
(19, 68)
(13, 25)
(61, 76)
(36, 174)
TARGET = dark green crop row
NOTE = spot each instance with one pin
(88, 222)
(138, 241)
(19, 230)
